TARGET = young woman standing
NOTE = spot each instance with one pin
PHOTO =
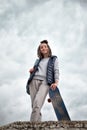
(46, 75)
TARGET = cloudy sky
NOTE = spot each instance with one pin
(23, 24)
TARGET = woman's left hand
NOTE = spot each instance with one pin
(53, 86)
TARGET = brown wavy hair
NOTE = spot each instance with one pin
(39, 54)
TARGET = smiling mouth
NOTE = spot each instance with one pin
(44, 51)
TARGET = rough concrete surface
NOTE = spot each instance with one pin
(48, 125)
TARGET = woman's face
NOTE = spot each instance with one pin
(44, 49)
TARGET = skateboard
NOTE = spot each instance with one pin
(58, 105)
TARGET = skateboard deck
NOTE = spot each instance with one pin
(58, 105)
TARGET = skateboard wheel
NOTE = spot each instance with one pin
(49, 100)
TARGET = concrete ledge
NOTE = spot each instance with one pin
(48, 125)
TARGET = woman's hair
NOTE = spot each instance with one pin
(40, 55)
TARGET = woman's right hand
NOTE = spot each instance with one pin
(31, 70)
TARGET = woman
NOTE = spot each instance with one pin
(45, 75)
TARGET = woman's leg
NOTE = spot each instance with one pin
(38, 93)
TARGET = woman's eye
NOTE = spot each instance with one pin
(41, 47)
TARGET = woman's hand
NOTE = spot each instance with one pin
(31, 70)
(54, 85)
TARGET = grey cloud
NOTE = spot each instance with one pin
(82, 2)
(11, 98)
(84, 37)
(78, 1)
(13, 9)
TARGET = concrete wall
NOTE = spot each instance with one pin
(50, 125)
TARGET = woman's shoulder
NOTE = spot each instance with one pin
(54, 56)
(37, 61)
